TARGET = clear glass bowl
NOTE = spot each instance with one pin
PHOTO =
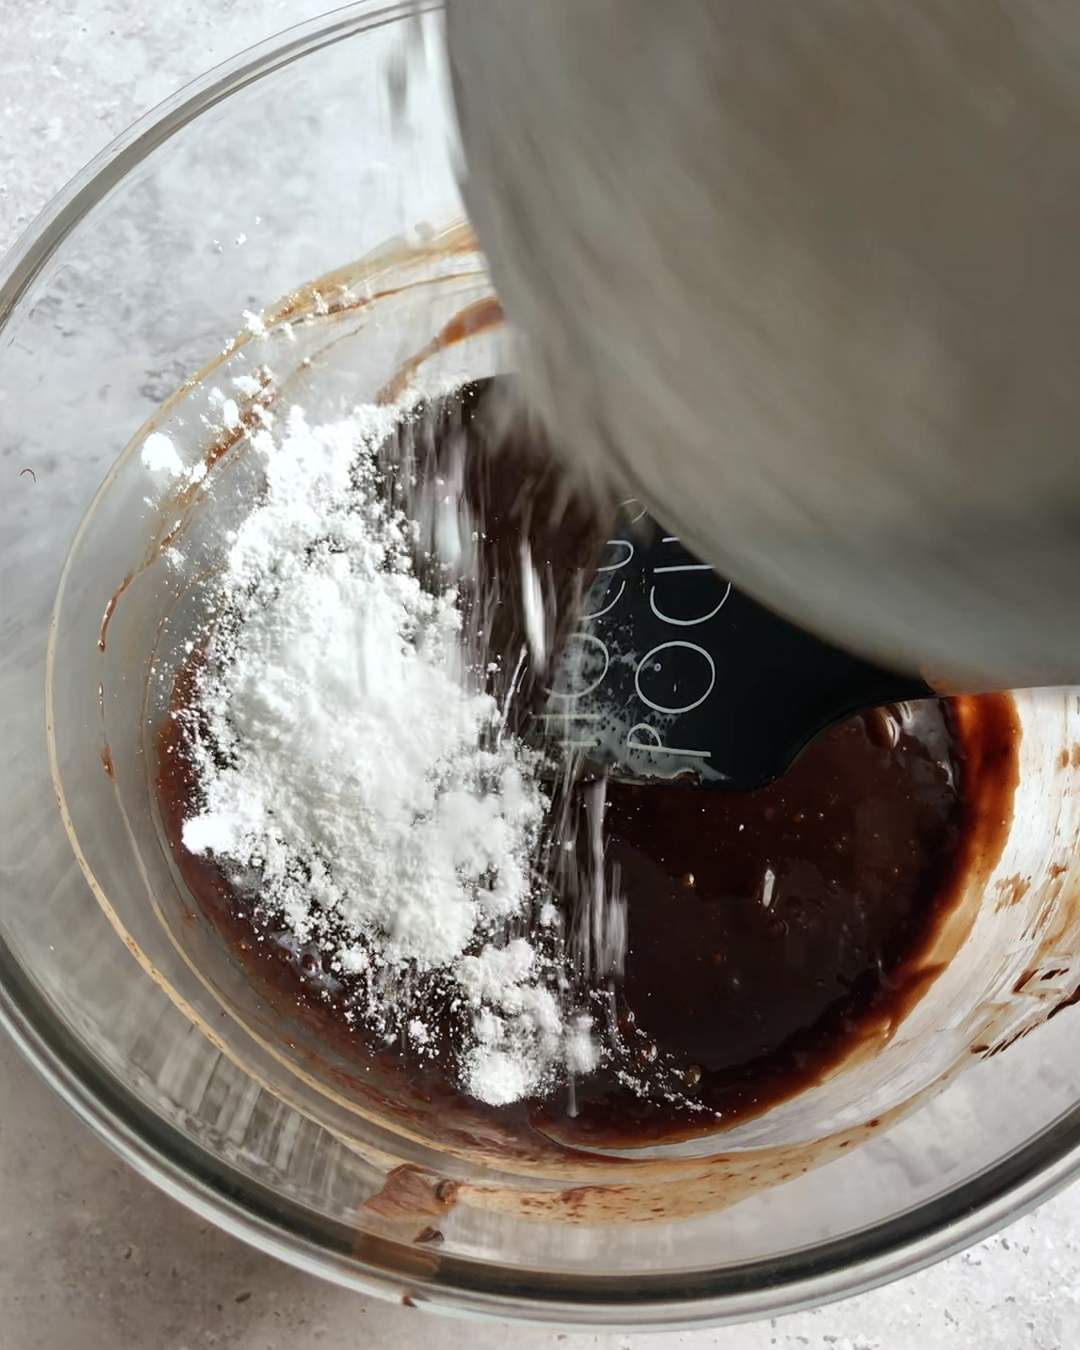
(255, 191)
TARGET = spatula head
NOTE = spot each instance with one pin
(673, 673)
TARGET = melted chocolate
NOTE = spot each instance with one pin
(767, 930)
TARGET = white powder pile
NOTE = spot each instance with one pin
(353, 773)
(160, 455)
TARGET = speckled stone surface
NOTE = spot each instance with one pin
(90, 1254)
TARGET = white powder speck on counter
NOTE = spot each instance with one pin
(353, 772)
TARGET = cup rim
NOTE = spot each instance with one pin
(195, 1177)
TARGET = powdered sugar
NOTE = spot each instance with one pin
(496, 1076)
(354, 771)
(160, 455)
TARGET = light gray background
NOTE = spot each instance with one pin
(92, 1255)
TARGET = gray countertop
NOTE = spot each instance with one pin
(92, 1254)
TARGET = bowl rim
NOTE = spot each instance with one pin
(254, 1213)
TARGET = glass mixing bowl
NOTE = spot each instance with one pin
(255, 193)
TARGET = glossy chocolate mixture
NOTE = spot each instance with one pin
(767, 930)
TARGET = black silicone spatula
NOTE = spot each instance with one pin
(672, 673)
